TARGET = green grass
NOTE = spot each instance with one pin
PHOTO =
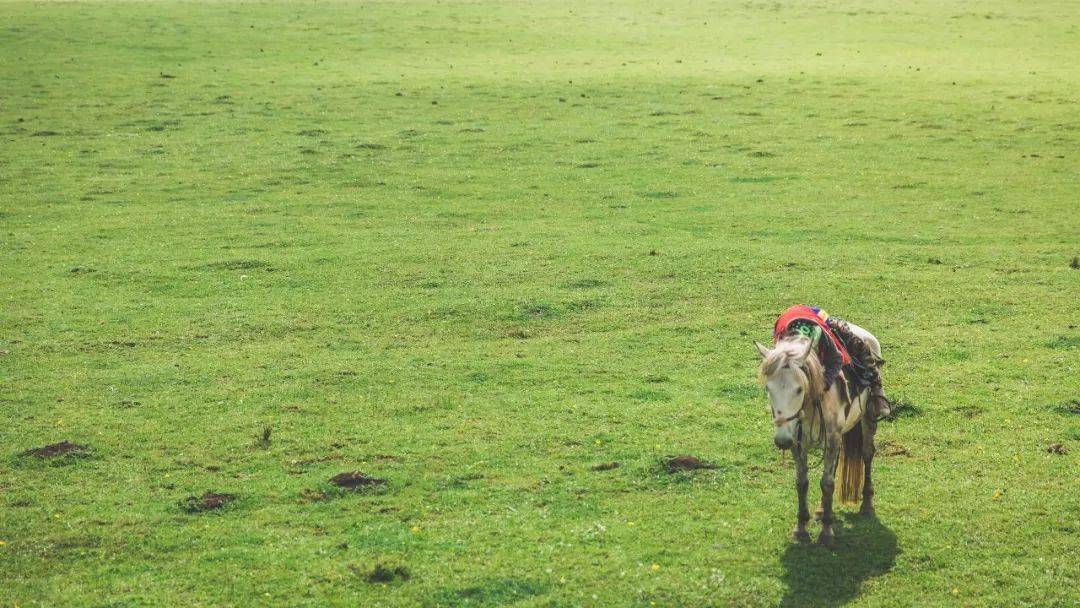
(478, 248)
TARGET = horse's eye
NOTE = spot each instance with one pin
(799, 391)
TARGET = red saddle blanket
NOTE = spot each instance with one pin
(815, 315)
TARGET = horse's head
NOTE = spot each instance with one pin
(791, 377)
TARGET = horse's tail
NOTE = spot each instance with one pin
(851, 465)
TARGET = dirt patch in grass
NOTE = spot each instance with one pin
(662, 194)
(54, 450)
(1071, 406)
(606, 466)
(355, 480)
(490, 592)
(381, 573)
(236, 265)
(585, 284)
(686, 462)
(264, 440)
(309, 495)
(888, 448)
(968, 411)
(651, 395)
(753, 180)
(1057, 448)
(1064, 342)
(530, 311)
(209, 501)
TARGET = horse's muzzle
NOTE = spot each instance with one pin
(783, 438)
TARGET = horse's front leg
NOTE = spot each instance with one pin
(828, 483)
(869, 429)
(802, 484)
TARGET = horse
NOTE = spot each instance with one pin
(806, 414)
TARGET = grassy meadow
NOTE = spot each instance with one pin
(477, 249)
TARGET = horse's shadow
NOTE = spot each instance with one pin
(819, 577)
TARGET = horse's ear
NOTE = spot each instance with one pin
(761, 349)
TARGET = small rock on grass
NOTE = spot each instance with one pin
(1057, 448)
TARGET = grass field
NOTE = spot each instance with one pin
(478, 248)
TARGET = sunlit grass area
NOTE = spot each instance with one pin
(507, 258)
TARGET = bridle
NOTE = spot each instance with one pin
(814, 400)
(798, 415)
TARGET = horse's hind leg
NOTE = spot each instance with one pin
(802, 484)
(869, 429)
(828, 484)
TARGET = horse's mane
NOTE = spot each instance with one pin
(809, 371)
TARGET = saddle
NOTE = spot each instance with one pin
(814, 315)
(858, 363)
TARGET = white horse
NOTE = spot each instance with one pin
(805, 414)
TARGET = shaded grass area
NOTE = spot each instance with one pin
(481, 252)
(816, 576)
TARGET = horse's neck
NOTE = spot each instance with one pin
(836, 405)
(835, 400)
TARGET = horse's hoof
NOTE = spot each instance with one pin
(866, 511)
(825, 540)
(800, 536)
